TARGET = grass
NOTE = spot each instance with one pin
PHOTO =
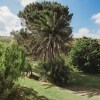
(84, 88)
(86, 80)
(5, 39)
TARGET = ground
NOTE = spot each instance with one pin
(86, 88)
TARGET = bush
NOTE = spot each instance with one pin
(54, 71)
(28, 69)
(86, 55)
(12, 62)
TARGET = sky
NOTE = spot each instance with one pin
(85, 21)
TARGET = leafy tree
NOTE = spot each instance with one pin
(49, 26)
(54, 71)
(86, 55)
(47, 35)
(12, 63)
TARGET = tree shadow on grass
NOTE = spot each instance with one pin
(23, 93)
(83, 91)
(85, 84)
(47, 85)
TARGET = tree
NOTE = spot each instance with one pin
(49, 25)
(47, 35)
(24, 39)
(12, 63)
(86, 55)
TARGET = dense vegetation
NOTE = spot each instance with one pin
(46, 39)
(12, 60)
(48, 24)
(85, 55)
(55, 71)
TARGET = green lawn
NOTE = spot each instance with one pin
(85, 88)
(85, 80)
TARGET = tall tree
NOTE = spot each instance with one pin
(49, 25)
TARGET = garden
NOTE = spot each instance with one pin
(42, 61)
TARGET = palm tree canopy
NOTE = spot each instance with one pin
(49, 24)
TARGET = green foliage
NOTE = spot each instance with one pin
(47, 36)
(54, 71)
(28, 69)
(86, 55)
(12, 63)
(48, 24)
(2, 46)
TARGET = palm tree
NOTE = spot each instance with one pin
(50, 27)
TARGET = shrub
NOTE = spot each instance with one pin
(12, 63)
(54, 71)
(28, 69)
(86, 55)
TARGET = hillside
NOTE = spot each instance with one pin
(8, 39)
(5, 39)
